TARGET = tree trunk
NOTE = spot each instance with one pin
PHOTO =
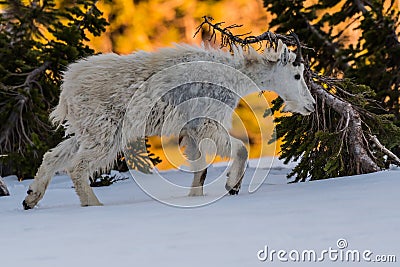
(362, 159)
(3, 188)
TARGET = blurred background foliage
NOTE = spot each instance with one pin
(136, 25)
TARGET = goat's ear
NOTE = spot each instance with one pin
(292, 57)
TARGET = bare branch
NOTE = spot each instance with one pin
(228, 38)
(3, 188)
(13, 131)
(386, 151)
(31, 78)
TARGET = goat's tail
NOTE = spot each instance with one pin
(60, 112)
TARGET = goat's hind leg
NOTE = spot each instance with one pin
(197, 165)
(79, 176)
(54, 160)
(88, 160)
(238, 167)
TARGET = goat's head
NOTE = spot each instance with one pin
(285, 76)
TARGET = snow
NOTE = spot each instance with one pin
(133, 229)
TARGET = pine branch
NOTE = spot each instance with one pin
(362, 159)
(332, 46)
(89, 12)
(360, 5)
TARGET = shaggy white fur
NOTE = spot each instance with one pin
(108, 100)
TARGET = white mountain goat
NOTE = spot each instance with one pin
(96, 96)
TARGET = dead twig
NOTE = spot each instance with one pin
(228, 38)
(386, 151)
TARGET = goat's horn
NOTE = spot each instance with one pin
(298, 51)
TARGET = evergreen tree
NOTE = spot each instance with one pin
(38, 39)
(371, 84)
(373, 61)
(343, 136)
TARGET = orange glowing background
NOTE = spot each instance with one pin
(148, 25)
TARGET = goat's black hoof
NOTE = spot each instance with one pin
(233, 192)
(26, 206)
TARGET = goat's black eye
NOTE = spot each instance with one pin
(297, 76)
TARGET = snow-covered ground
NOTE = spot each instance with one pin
(132, 229)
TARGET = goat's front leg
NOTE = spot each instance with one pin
(42, 179)
(198, 183)
(54, 160)
(236, 171)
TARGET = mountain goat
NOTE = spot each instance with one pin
(109, 99)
